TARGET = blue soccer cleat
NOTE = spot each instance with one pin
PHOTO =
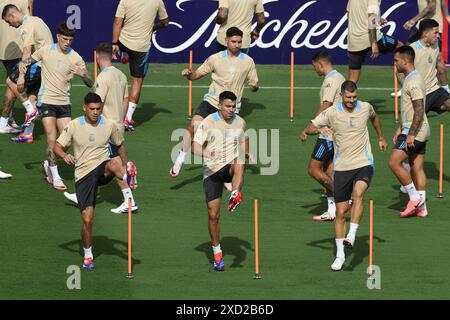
(30, 117)
(88, 263)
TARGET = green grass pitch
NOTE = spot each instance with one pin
(40, 230)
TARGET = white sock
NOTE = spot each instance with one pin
(126, 195)
(55, 173)
(216, 249)
(131, 108)
(353, 229)
(3, 122)
(406, 166)
(340, 248)
(29, 106)
(29, 130)
(331, 206)
(423, 195)
(412, 192)
(181, 156)
(88, 253)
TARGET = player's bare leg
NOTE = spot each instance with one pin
(339, 229)
(356, 212)
(8, 101)
(354, 74)
(50, 127)
(420, 181)
(214, 232)
(133, 100)
(323, 173)
(87, 217)
(116, 168)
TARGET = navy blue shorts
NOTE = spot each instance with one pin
(323, 150)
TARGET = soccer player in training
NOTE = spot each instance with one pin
(90, 135)
(321, 163)
(34, 34)
(431, 9)
(10, 55)
(229, 69)
(220, 139)
(111, 85)
(353, 159)
(412, 135)
(132, 31)
(239, 13)
(363, 35)
(59, 63)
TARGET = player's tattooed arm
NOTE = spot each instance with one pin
(430, 8)
(164, 23)
(373, 36)
(419, 111)
(30, 7)
(441, 71)
(222, 15)
(123, 153)
(82, 72)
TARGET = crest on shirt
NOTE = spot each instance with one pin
(352, 122)
(430, 59)
(232, 69)
(91, 137)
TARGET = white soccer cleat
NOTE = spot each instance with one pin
(326, 216)
(71, 197)
(349, 241)
(58, 184)
(337, 264)
(175, 170)
(399, 94)
(228, 186)
(123, 208)
(4, 175)
(9, 129)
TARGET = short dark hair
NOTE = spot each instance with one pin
(234, 31)
(7, 9)
(348, 86)
(65, 30)
(427, 24)
(321, 55)
(406, 51)
(92, 97)
(104, 49)
(227, 95)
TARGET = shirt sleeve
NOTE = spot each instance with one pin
(162, 12)
(65, 138)
(24, 8)
(201, 133)
(372, 112)
(415, 91)
(28, 35)
(323, 119)
(120, 13)
(252, 75)
(116, 136)
(259, 7)
(207, 66)
(223, 4)
(101, 88)
(329, 91)
(39, 54)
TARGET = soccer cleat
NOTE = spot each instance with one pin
(131, 175)
(128, 124)
(422, 213)
(403, 190)
(71, 197)
(88, 263)
(58, 184)
(228, 186)
(30, 117)
(349, 241)
(9, 129)
(175, 170)
(337, 264)
(123, 208)
(22, 138)
(218, 262)
(326, 216)
(234, 200)
(47, 172)
(4, 175)
(411, 207)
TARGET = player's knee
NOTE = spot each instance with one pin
(393, 164)
(358, 195)
(87, 218)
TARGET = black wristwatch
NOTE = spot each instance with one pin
(114, 43)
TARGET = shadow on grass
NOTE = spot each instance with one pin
(102, 245)
(231, 246)
(359, 252)
(146, 112)
(248, 107)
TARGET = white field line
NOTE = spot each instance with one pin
(205, 87)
